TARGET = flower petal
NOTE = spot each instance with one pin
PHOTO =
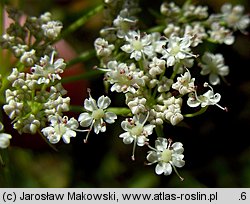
(85, 119)
(90, 104)
(152, 157)
(110, 117)
(103, 102)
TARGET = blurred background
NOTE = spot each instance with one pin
(217, 143)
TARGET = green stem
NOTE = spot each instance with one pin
(79, 22)
(88, 75)
(1, 161)
(175, 71)
(202, 110)
(77, 109)
(159, 28)
(159, 130)
(140, 63)
(83, 57)
(120, 111)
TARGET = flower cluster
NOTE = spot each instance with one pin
(32, 39)
(156, 71)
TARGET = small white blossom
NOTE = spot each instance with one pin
(103, 48)
(220, 34)
(123, 77)
(234, 17)
(60, 127)
(171, 30)
(184, 84)
(48, 70)
(173, 114)
(124, 22)
(177, 49)
(137, 105)
(156, 67)
(168, 156)
(138, 45)
(96, 114)
(28, 58)
(4, 138)
(191, 11)
(208, 98)
(19, 49)
(197, 33)
(13, 109)
(164, 84)
(52, 29)
(170, 9)
(213, 64)
(136, 131)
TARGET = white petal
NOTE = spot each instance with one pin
(85, 119)
(128, 140)
(170, 61)
(167, 169)
(178, 147)
(125, 134)
(178, 162)
(110, 117)
(141, 140)
(53, 139)
(161, 144)
(98, 126)
(127, 48)
(214, 79)
(90, 104)
(152, 157)
(192, 102)
(103, 102)
(149, 129)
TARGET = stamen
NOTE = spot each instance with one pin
(87, 136)
(133, 151)
(182, 179)
(146, 118)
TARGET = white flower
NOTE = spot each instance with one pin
(156, 67)
(177, 49)
(220, 34)
(52, 29)
(48, 70)
(13, 109)
(164, 84)
(173, 114)
(137, 105)
(4, 138)
(196, 32)
(214, 66)
(28, 58)
(96, 115)
(208, 98)
(123, 77)
(168, 156)
(171, 30)
(103, 48)
(184, 84)
(136, 131)
(60, 128)
(234, 17)
(138, 45)
(123, 23)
